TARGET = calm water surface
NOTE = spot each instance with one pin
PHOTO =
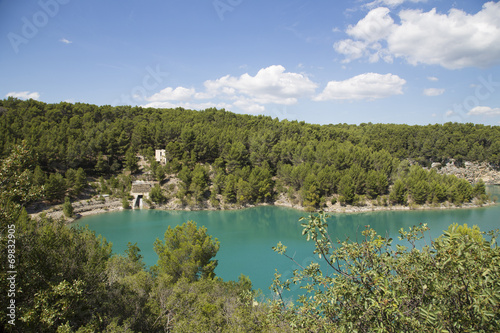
(246, 236)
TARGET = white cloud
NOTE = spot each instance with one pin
(432, 78)
(273, 85)
(169, 94)
(454, 40)
(249, 106)
(24, 95)
(376, 25)
(367, 86)
(484, 111)
(269, 85)
(352, 49)
(433, 92)
(65, 41)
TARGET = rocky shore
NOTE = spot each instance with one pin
(467, 170)
(96, 206)
(81, 208)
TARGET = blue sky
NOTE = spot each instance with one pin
(321, 61)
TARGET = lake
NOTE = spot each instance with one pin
(247, 236)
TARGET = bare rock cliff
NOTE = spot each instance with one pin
(472, 171)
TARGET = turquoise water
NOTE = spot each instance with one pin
(246, 236)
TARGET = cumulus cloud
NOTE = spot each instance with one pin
(248, 105)
(454, 40)
(432, 78)
(170, 94)
(24, 95)
(376, 25)
(484, 111)
(271, 85)
(433, 92)
(368, 86)
(65, 41)
(274, 85)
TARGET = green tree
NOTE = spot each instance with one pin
(68, 207)
(55, 188)
(70, 177)
(17, 187)
(260, 181)
(131, 161)
(207, 305)
(199, 182)
(397, 194)
(419, 192)
(346, 189)
(160, 173)
(479, 188)
(244, 193)
(66, 286)
(156, 195)
(101, 166)
(372, 184)
(125, 203)
(461, 191)
(450, 285)
(311, 197)
(80, 181)
(236, 156)
(185, 175)
(187, 251)
(438, 192)
(129, 287)
(39, 177)
(229, 192)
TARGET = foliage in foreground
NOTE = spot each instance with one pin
(451, 285)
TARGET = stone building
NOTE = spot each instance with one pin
(160, 156)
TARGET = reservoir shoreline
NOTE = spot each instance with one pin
(90, 207)
(470, 171)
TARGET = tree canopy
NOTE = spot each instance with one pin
(187, 252)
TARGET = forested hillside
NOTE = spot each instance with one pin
(229, 158)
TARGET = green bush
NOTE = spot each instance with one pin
(451, 285)
(68, 207)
